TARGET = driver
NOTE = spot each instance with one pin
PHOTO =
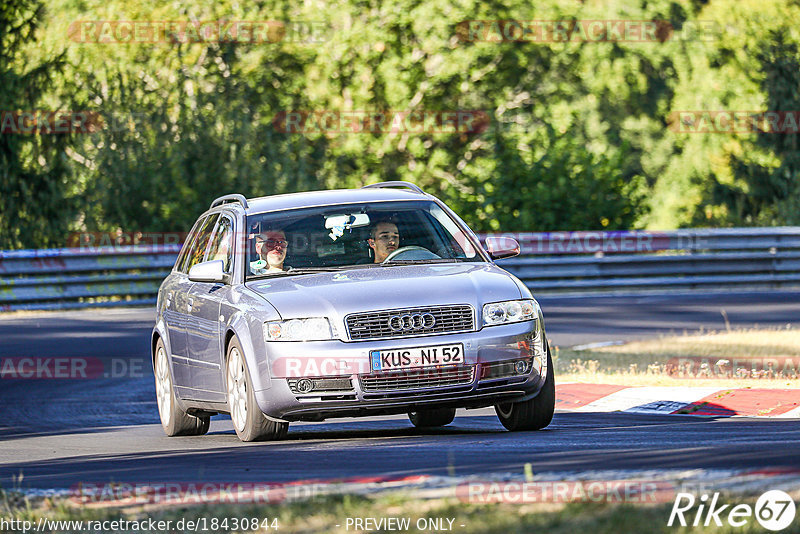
(384, 238)
(271, 249)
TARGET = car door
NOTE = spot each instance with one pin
(174, 294)
(204, 334)
(183, 370)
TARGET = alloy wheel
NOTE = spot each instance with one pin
(163, 386)
(237, 389)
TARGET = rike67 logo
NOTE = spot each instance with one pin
(774, 510)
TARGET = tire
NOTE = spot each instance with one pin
(433, 417)
(533, 414)
(174, 420)
(249, 421)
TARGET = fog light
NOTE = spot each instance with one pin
(521, 367)
(304, 385)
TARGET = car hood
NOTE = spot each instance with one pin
(336, 294)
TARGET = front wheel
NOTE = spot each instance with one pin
(433, 417)
(533, 414)
(249, 421)
(174, 420)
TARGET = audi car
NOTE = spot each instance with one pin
(345, 303)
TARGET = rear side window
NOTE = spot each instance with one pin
(197, 251)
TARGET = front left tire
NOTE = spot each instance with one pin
(533, 414)
(432, 417)
(249, 421)
(174, 420)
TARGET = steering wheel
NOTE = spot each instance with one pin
(412, 252)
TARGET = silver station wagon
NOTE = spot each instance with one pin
(345, 303)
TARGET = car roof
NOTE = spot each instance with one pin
(330, 197)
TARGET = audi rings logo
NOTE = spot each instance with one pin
(411, 322)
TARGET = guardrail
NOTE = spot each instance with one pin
(83, 277)
(744, 258)
(550, 262)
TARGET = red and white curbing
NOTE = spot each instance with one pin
(707, 401)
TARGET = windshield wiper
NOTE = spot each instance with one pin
(355, 266)
(304, 270)
(420, 262)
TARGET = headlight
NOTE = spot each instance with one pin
(313, 329)
(510, 311)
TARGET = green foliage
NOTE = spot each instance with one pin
(567, 188)
(578, 136)
(744, 178)
(772, 192)
(36, 199)
(186, 123)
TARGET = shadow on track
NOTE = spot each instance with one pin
(474, 445)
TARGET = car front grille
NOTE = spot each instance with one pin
(419, 379)
(375, 325)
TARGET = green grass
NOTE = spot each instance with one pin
(764, 358)
(325, 513)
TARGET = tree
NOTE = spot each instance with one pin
(38, 197)
(772, 193)
(745, 177)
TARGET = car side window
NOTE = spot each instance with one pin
(181, 261)
(200, 245)
(222, 244)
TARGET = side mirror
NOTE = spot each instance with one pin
(502, 247)
(208, 271)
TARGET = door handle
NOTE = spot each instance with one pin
(189, 304)
(169, 299)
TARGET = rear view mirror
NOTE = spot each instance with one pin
(208, 271)
(346, 221)
(502, 247)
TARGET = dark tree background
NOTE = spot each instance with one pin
(37, 191)
(578, 134)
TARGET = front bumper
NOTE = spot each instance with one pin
(486, 377)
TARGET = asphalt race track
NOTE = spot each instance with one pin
(61, 432)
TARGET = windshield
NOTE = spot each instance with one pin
(375, 234)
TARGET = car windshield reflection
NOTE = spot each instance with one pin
(365, 235)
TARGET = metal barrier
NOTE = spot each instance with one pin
(631, 261)
(550, 262)
(83, 277)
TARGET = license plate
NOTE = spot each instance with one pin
(409, 358)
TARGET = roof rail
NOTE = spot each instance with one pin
(230, 198)
(406, 185)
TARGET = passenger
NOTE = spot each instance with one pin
(384, 238)
(271, 249)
